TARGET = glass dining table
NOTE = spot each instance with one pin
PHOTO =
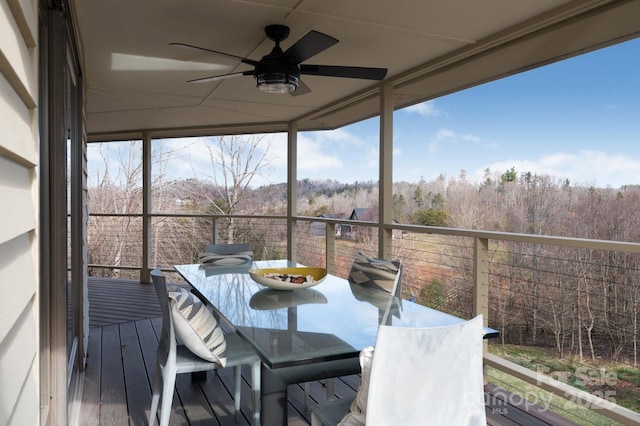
(306, 334)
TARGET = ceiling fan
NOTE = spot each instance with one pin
(279, 72)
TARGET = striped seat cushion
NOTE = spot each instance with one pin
(196, 327)
(374, 273)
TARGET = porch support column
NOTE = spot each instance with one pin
(385, 196)
(145, 271)
(292, 196)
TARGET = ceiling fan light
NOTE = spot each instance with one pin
(275, 82)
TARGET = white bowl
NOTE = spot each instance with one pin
(258, 275)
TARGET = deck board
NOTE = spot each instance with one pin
(113, 403)
(137, 382)
(92, 380)
(126, 323)
(118, 301)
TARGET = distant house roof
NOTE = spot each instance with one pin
(328, 215)
(368, 213)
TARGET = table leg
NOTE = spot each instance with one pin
(273, 384)
(274, 397)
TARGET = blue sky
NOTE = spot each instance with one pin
(577, 119)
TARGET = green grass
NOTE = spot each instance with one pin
(615, 382)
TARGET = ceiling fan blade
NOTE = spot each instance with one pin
(219, 77)
(311, 44)
(240, 58)
(302, 89)
(340, 71)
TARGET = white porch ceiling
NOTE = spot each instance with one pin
(137, 82)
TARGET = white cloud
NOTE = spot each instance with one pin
(187, 158)
(190, 157)
(427, 109)
(447, 136)
(322, 154)
(337, 154)
(471, 138)
(373, 157)
(581, 168)
(313, 155)
(342, 136)
(441, 136)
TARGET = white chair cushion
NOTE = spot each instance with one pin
(378, 274)
(358, 409)
(196, 327)
(429, 376)
(418, 376)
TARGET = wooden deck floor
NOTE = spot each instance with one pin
(120, 366)
(117, 301)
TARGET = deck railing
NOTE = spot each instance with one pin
(578, 297)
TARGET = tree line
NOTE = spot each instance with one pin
(582, 302)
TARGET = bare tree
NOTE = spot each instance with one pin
(115, 188)
(236, 161)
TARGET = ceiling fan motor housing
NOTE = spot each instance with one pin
(274, 76)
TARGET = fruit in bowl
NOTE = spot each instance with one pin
(289, 278)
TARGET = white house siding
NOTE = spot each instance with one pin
(19, 331)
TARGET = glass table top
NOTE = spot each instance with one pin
(332, 320)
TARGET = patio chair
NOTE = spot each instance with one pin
(229, 350)
(381, 275)
(378, 274)
(226, 254)
(416, 376)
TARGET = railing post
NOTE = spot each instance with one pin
(145, 271)
(330, 247)
(481, 286)
(481, 278)
(292, 195)
(215, 238)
